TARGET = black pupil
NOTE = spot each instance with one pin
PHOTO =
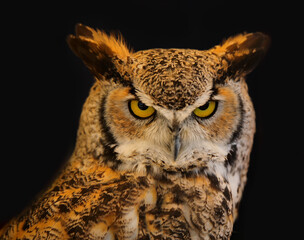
(142, 106)
(204, 107)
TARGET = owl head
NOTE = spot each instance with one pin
(162, 111)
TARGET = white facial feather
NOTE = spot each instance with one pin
(234, 181)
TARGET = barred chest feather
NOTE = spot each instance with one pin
(99, 203)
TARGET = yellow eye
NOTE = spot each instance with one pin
(140, 110)
(207, 110)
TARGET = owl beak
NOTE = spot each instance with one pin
(175, 129)
(177, 145)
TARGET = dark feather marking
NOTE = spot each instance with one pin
(232, 155)
(214, 182)
(109, 154)
(212, 237)
(179, 194)
(239, 127)
(63, 208)
(225, 206)
(227, 194)
(26, 225)
(219, 212)
(109, 138)
(76, 231)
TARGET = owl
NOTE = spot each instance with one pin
(162, 148)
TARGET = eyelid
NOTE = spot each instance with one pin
(208, 110)
(139, 113)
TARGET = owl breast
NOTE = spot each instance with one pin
(110, 205)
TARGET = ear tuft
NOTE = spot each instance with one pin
(116, 44)
(242, 53)
(97, 49)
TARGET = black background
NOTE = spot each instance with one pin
(44, 86)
